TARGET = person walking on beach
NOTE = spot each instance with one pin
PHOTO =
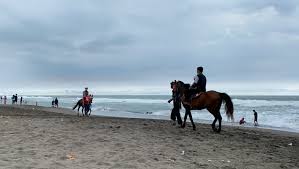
(255, 118)
(176, 99)
(21, 100)
(5, 98)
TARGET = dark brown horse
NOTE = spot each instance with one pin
(210, 100)
(85, 108)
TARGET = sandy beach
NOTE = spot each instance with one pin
(39, 137)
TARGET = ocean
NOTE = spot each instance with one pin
(274, 112)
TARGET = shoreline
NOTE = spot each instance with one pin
(130, 115)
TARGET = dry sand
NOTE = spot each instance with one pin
(37, 137)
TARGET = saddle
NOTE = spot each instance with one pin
(196, 95)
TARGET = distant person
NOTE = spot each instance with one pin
(242, 121)
(1, 99)
(21, 100)
(56, 102)
(13, 99)
(5, 99)
(16, 98)
(255, 118)
(176, 99)
(53, 103)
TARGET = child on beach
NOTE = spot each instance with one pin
(242, 121)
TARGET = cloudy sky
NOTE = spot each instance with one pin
(243, 45)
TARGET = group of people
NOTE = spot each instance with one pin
(14, 99)
(197, 88)
(55, 103)
(3, 99)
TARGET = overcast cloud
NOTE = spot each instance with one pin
(71, 44)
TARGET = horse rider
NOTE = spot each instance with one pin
(85, 94)
(199, 84)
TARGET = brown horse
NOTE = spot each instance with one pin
(86, 108)
(210, 100)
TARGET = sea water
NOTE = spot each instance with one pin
(276, 112)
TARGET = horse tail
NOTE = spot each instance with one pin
(229, 106)
(76, 105)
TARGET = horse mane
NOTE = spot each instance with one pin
(185, 85)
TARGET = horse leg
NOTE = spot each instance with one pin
(185, 118)
(89, 111)
(215, 120)
(191, 119)
(86, 109)
(79, 110)
(188, 113)
(178, 115)
(219, 119)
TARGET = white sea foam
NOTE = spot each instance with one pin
(147, 101)
(276, 112)
(259, 103)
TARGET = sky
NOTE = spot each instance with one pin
(137, 45)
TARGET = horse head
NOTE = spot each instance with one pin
(182, 88)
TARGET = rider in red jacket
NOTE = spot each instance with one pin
(85, 94)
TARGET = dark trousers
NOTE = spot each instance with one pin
(175, 114)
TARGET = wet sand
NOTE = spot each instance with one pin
(38, 137)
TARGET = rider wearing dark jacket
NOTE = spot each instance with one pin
(200, 81)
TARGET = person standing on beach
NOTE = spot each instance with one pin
(13, 99)
(56, 102)
(21, 100)
(175, 113)
(5, 98)
(16, 98)
(255, 118)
